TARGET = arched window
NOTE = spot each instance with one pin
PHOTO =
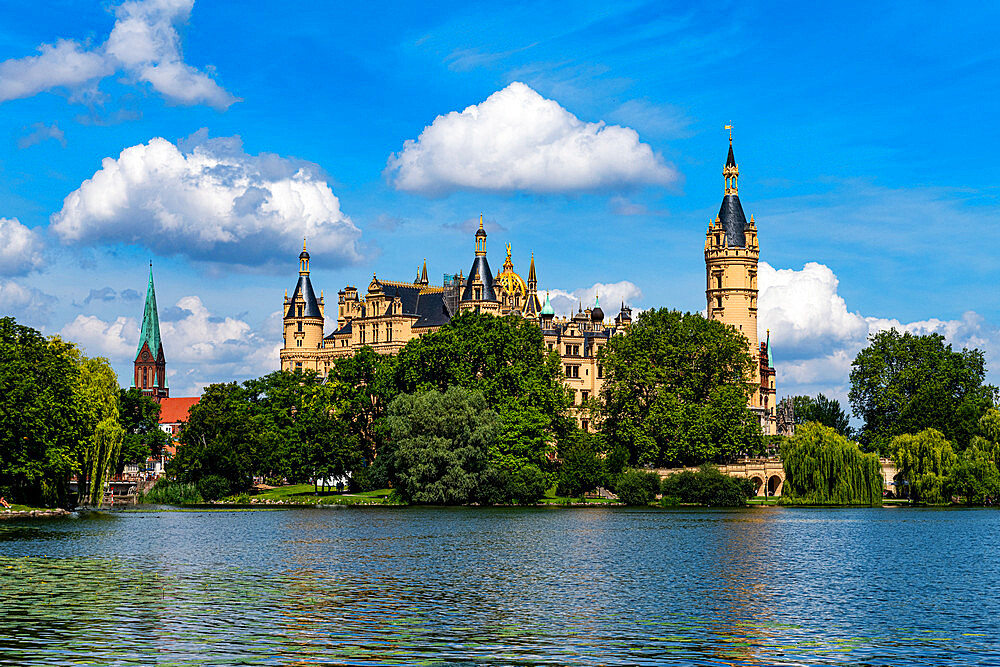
(145, 378)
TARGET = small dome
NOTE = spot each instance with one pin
(597, 314)
(303, 255)
(548, 311)
(480, 232)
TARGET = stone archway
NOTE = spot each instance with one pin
(774, 485)
(758, 485)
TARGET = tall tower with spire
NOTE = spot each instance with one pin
(731, 254)
(150, 368)
(479, 293)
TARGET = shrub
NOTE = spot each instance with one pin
(709, 487)
(634, 487)
(581, 470)
(213, 487)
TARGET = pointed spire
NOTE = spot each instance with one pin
(423, 274)
(531, 272)
(731, 171)
(770, 358)
(547, 309)
(150, 332)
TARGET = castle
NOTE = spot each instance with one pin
(391, 313)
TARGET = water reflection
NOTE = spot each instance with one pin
(380, 586)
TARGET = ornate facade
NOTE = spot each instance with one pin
(391, 313)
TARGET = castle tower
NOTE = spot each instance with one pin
(303, 322)
(731, 254)
(479, 293)
(150, 369)
(533, 305)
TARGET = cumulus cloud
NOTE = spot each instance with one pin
(28, 305)
(517, 140)
(815, 337)
(20, 248)
(41, 132)
(144, 44)
(209, 200)
(612, 295)
(201, 347)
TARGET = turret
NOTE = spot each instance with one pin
(303, 321)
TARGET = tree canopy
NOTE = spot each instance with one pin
(823, 467)
(903, 383)
(441, 444)
(676, 390)
(826, 411)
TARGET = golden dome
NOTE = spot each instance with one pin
(509, 280)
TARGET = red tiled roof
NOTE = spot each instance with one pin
(175, 410)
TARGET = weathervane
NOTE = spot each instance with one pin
(730, 128)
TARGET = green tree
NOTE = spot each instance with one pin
(826, 411)
(581, 469)
(219, 439)
(41, 425)
(442, 444)
(923, 462)
(823, 467)
(676, 390)
(902, 383)
(140, 418)
(974, 477)
(364, 385)
(503, 358)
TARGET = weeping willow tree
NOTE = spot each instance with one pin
(97, 401)
(823, 467)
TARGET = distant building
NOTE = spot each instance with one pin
(150, 367)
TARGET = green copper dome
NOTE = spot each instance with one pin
(547, 309)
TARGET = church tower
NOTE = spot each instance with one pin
(150, 368)
(303, 323)
(731, 254)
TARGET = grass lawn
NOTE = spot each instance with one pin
(305, 494)
(14, 507)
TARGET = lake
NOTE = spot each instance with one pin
(531, 586)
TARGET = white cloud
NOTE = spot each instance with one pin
(815, 337)
(200, 346)
(612, 295)
(518, 140)
(144, 43)
(28, 305)
(20, 248)
(211, 201)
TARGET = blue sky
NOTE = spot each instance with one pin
(863, 133)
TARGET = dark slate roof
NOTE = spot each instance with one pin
(346, 329)
(733, 220)
(305, 288)
(430, 308)
(730, 161)
(482, 267)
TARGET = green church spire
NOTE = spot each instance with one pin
(770, 359)
(150, 333)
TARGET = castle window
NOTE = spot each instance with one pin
(600, 371)
(298, 343)
(718, 281)
(718, 302)
(298, 365)
(145, 378)
(300, 327)
(388, 333)
(300, 313)
(585, 424)
(586, 395)
(478, 294)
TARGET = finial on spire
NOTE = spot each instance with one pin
(303, 243)
(480, 220)
(730, 128)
